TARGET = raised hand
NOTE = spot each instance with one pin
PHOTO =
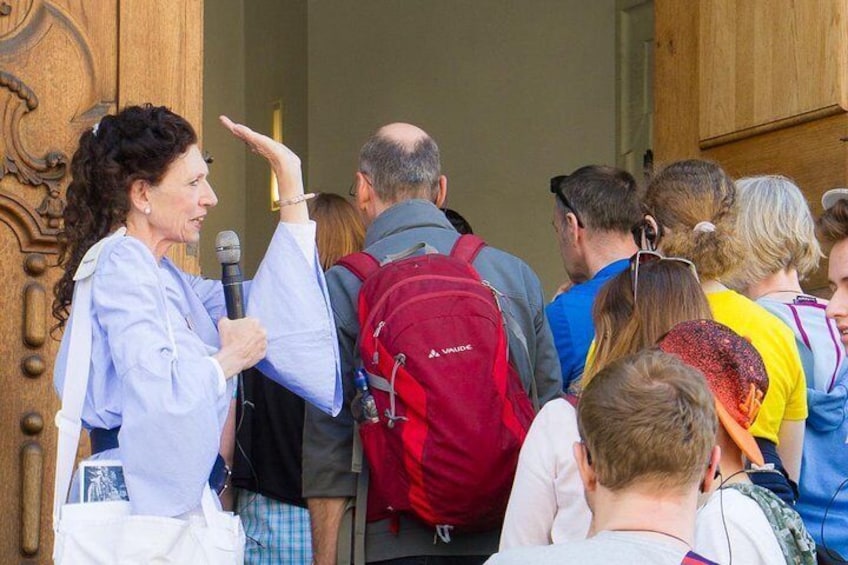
(285, 163)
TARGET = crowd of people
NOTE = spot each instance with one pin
(687, 396)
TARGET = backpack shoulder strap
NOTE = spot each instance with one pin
(361, 264)
(467, 247)
(792, 536)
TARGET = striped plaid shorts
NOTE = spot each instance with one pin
(277, 533)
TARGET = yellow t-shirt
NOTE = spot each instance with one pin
(786, 398)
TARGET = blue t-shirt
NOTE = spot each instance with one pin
(570, 318)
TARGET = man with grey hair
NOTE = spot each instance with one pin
(399, 189)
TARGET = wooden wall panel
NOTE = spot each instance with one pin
(768, 64)
(713, 59)
(675, 81)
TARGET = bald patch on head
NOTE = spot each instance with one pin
(401, 163)
(405, 135)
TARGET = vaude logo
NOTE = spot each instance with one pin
(449, 350)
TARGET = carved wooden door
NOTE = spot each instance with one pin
(63, 65)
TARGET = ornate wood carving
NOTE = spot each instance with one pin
(47, 170)
(32, 469)
(35, 315)
(41, 34)
(33, 366)
(16, 212)
(32, 423)
(35, 264)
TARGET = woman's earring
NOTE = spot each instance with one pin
(147, 210)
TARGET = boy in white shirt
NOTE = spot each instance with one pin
(739, 522)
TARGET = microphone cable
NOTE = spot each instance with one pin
(246, 404)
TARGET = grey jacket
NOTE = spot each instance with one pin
(328, 442)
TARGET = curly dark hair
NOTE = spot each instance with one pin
(138, 143)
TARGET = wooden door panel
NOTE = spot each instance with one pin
(768, 64)
(808, 147)
(162, 62)
(58, 75)
(675, 81)
(63, 65)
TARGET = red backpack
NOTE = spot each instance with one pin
(452, 410)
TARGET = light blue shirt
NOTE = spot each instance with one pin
(825, 456)
(171, 405)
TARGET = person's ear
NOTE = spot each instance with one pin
(652, 233)
(584, 466)
(442, 195)
(572, 228)
(713, 473)
(140, 195)
(364, 192)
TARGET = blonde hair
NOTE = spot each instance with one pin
(339, 228)
(668, 294)
(776, 228)
(686, 194)
(648, 418)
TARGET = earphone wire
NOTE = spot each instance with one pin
(721, 509)
(836, 557)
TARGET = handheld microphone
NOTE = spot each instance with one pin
(228, 250)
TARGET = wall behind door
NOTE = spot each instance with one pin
(513, 92)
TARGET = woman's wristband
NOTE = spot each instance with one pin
(296, 199)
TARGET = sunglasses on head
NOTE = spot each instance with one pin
(646, 256)
(556, 188)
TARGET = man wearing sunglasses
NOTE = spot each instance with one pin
(596, 207)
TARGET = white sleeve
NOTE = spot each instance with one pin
(547, 504)
(289, 296)
(222, 378)
(304, 235)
